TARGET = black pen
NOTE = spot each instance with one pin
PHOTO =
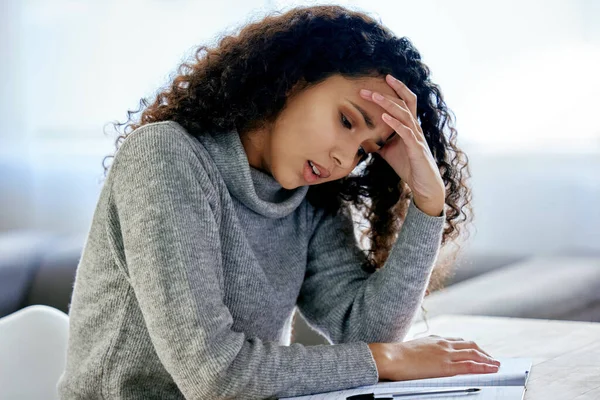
(371, 396)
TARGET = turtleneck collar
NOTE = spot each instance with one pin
(256, 189)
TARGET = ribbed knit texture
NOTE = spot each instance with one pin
(194, 263)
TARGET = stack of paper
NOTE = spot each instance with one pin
(507, 384)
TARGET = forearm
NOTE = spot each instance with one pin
(391, 297)
(380, 307)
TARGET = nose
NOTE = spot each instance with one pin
(344, 155)
(344, 165)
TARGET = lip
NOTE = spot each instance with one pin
(308, 174)
(324, 171)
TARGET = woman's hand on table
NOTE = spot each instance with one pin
(431, 357)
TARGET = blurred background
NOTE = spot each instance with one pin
(522, 78)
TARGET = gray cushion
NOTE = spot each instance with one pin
(474, 263)
(53, 282)
(541, 287)
(20, 255)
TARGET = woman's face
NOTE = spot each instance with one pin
(322, 124)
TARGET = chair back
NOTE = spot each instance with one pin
(33, 349)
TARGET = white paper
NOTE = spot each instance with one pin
(506, 384)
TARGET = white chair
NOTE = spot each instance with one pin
(33, 348)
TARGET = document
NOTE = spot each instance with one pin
(508, 383)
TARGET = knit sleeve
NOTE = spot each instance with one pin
(168, 220)
(347, 304)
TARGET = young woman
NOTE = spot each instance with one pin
(228, 204)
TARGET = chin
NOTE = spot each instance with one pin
(290, 185)
(285, 183)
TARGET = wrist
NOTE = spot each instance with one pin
(381, 357)
(431, 208)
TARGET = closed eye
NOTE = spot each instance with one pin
(345, 120)
(362, 154)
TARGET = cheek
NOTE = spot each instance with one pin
(314, 140)
(305, 135)
(324, 136)
(288, 151)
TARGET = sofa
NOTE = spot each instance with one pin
(39, 268)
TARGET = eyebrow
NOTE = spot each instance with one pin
(370, 124)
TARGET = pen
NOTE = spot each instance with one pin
(371, 396)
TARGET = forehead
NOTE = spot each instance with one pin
(347, 90)
(351, 86)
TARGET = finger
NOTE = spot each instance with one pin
(473, 355)
(468, 345)
(407, 134)
(408, 119)
(472, 367)
(404, 92)
(398, 109)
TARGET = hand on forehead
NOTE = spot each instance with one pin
(378, 84)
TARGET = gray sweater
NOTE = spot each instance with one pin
(192, 268)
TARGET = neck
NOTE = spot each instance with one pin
(255, 146)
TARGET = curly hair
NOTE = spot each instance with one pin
(243, 84)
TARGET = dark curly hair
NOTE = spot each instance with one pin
(243, 84)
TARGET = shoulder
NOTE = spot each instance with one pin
(164, 142)
(164, 152)
(158, 139)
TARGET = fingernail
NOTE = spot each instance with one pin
(365, 92)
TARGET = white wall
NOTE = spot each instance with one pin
(521, 78)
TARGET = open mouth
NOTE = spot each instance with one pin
(310, 172)
(314, 169)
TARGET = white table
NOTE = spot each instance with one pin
(565, 354)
